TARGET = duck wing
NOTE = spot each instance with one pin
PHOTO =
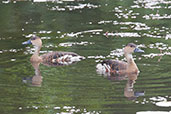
(59, 58)
(111, 66)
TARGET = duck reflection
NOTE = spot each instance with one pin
(129, 87)
(36, 80)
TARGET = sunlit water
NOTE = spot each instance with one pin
(97, 30)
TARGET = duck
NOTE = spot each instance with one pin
(117, 67)
(56, 58)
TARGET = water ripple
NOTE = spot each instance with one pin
(96, 31)
(163, 48)
(121, 12)
(11, 50)
(63, 110)
(124, 34)
(161, 101)
(69, 44)
(156, 16)
(151, 4)
(153, 112)
(74, 7)
(134, 25)
(57, 1)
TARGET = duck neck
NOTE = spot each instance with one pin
(37, 50)
(131, 64)
(35, 57)
(129, 58)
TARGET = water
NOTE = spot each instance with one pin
(97, 30)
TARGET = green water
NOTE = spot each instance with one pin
(97, 30)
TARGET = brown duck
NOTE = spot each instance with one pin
(121, 67)
(57, 58)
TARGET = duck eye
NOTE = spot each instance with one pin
(132, 46)
(34, 38)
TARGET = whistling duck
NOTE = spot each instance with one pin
(56, 58)
(121, 67)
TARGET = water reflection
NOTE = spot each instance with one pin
(129, 88)
(131, 78)
(36, 80)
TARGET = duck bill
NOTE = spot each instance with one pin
(27, 42)
(138, 50)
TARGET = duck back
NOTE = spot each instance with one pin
(60, 58)
(111, 66)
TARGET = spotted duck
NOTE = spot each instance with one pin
(121, 67)
(56, 58)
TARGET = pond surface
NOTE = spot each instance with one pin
(97, 30)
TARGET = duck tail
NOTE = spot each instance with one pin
(76, 58)
(103, 67)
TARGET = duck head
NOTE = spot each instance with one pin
(131, 48)
(35, 40)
